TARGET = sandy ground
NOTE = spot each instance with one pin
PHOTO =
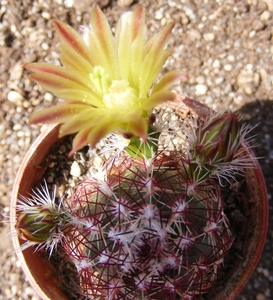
(225, 47)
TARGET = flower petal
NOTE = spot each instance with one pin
(55, 83)
(168, 80)
(158, 98)
(74, 61)
(158, 42)
(131, 32)
(92, 135)
(88, 117)
(66, 88)
(101, 130)
(138, 126)
(80, 140)
(56, 114)
(154, 58)
(71, 39)
(58, 71)
(101, 42)
(149, 70)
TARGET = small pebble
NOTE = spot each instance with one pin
(124, 3)
(15, 97)
(75, 169)
(62, 149)
(195, 34)
(219, 80)
(265, 16)
(68, 3)
(231, 57)
(260, 296)
(216, 64)
(189, 12)
(48, 97)
(46, 15)
(45, 46)
(201, 89)
(228, 67)
(258, 25)
(17, 127)
(209, 36)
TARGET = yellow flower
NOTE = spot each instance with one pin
(106, 80)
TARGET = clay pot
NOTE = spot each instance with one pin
(256, 208)
(38, 270)
(41, 273)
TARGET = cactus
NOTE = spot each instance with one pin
(142, 233)
(146, 228)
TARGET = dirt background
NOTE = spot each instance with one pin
(225, 47)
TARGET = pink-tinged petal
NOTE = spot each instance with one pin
(158, 98)
(54, 70)
(57, 114)
(123, 42)
(136, 50)
(138, 126)
(169, 80)
(80, 140)
(154, 57)
(133, 23)
(157, 42)
(55, 82)
(130, 36)
(80, 95)
(74, 61)
(135, 62)
(101, 130)
(85, 118)
(72, 39)
(101, 57)
(66, 88)
(138, 22)
(92, 135)
(101, 39)
(149, 70)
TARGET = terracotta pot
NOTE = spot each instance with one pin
(41, 273)
(256, 207)
(38, 270)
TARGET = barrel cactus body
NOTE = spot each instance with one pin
(145, 230)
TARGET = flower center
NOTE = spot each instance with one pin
(120, 95)
(100, 79)
(115, 93)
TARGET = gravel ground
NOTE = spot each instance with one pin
(225, 47)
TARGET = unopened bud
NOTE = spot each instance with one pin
(37, 224)
(218, 139)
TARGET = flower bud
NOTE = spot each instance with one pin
(37, 224)
(218, 139)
